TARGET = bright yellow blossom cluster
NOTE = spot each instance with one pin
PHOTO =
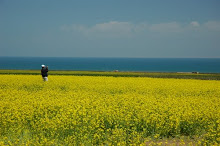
(83, 110)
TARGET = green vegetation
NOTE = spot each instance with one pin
(210, 76)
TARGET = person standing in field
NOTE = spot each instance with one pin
(44, 71)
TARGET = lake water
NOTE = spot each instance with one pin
(204, 65)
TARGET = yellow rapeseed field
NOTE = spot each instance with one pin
(83, 110)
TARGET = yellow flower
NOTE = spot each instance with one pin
(85, 110)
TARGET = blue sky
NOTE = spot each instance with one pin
(110, 28)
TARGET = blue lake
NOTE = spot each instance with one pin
(204, 65)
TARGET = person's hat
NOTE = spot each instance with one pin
(43, 65)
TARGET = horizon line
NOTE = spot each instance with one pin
(114, 57)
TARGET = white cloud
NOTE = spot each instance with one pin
(108, 29)
(142, 27)
(122, 29)
(113, 26)
(112, 29)
(166, 27)
(117, 29)
(212, 25)
(195, 24)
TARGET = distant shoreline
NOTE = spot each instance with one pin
(177, 75)
(181, 72)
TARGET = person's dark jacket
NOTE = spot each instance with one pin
(44, 71)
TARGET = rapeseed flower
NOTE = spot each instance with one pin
(83, 110)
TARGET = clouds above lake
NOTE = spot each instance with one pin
(118, 29)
